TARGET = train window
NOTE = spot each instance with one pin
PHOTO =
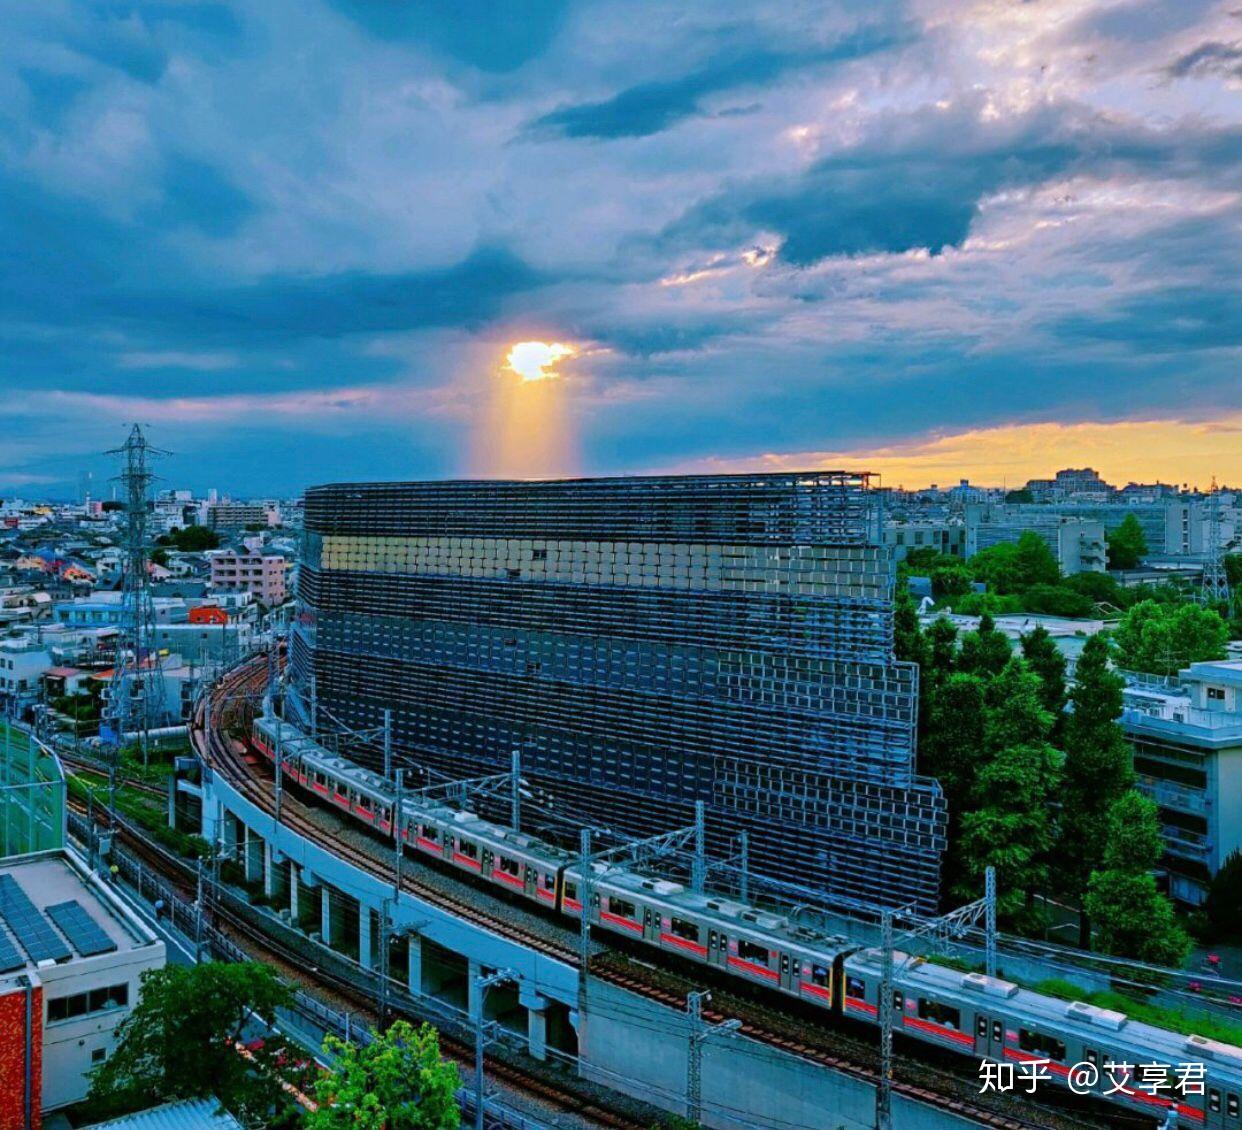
(819, 974)
(981, 1027)
(623, 908)
(1091, 1056)
(1050, 1046)
(683, 929)
(899, 1001)
(748, 951)
(510, 866)
(784, 963)
(1214, 1101)
(549, 881)
(469, 850)
(939, 1013)
(364, 802)
(430, 834)
(712, 940)
(997, 1030)
(856, 987)
(1231, 1106)
(571, 891)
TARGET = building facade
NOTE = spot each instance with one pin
(647, 643)
(1078, 543)
(260, 574)
(72, 956)
(1187, 739)
(234, 516)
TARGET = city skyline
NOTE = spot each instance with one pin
(934, 240)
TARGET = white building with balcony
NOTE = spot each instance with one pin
(1187, 738)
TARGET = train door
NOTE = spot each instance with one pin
(717, 948)
(488, 865)
(989, 1036)
(788, 971)
(651, 925)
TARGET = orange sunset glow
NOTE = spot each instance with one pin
(1171, 451)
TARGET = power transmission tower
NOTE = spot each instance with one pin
(137, 690)
(1215, 580)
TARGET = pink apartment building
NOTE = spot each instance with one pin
(261, 574)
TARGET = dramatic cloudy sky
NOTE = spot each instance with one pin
(935, 238)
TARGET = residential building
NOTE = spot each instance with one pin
(233, 516)
(1187, 737)
(1188, 525)
(646, 643)
(72, 956)
(260, 574)
(1077, 543)
(943, 537)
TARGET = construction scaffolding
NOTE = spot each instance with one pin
(646, 644)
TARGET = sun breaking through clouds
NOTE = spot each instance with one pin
(536, 360)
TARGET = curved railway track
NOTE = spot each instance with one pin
(225, 754)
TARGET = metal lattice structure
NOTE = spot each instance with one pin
(136, 692)
(647, 643)
(1215, 580)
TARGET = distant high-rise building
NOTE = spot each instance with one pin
(647, 643)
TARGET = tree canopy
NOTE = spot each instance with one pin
(1127, 544)
(986, 650)
(1162, 638)
(180, 1041)
(1047, 661)
(1012, 567)
(1131, 917)
(397, 1082)
(191, 539)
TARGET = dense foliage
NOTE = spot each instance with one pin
(191, 539)
(180, 1041)
(1162, 638)
(397, 1082)
(1127, 544)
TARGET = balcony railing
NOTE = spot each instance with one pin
(1169, 795)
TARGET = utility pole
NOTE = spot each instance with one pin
(743, 854)
(385, 940)
(314, 708)
(584, 895)
(1215, 580)
(398, 847)
(698, 867)
(388, 745)
(515, 795)
(884, 1095)
(198, 909)
(278, 751)
(482, 984)
(699, 1033)
(989, 920)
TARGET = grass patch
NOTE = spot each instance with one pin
(1160, 1016)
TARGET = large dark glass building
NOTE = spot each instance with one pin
(647, 642)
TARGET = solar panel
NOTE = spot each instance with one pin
(84, 933)
(10, 959)
(29, 927)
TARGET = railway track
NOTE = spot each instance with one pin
(244, 770)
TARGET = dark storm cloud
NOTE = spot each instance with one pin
(1208, 58)
(651, 107)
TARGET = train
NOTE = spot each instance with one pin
(991, 1020)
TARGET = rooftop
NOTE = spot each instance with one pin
(37, 922)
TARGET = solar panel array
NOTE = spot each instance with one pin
(84, 933)
(10, 959)
(31, 929)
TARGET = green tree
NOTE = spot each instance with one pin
(191, 539)
(1127, 544)
(941, 636)
(397, 1082)
(1099, 588)
(1056, 600)
(952, 751)
(180, 1042)
(1162, 638)
(1010, 828)
(1097, 768)
(1233, 569)
(159, 555)
(951, 580)
(1047, 661)
(986, 650)
(1132, 918)
(1022, 494)
(1011, 567)
(908, 642)
(1224, 901)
